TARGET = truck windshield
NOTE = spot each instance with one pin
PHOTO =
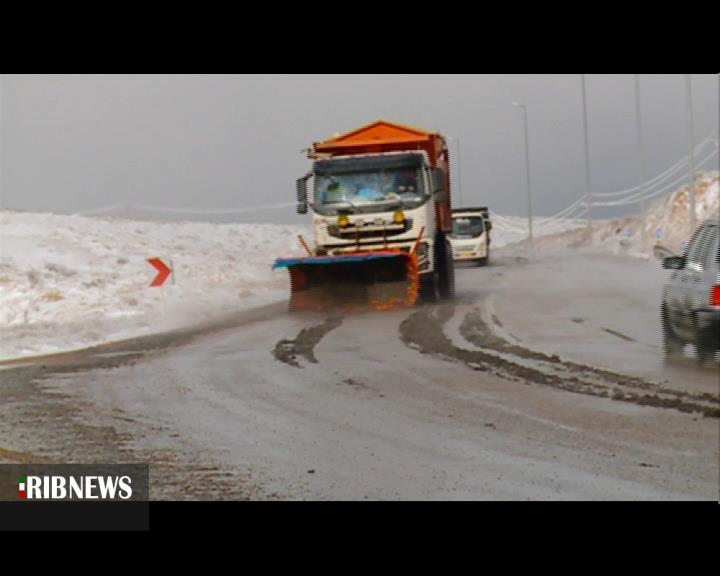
(377, 190)
(469, 227)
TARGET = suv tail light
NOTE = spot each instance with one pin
(715, 295)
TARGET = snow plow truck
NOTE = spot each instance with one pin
(382, 215)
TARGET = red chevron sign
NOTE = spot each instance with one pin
(163, 271)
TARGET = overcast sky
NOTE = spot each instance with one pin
(70, 143)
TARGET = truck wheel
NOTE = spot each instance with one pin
(482, 262)
(446, 269)
(430, 288)
(672, 345)
(451, 271)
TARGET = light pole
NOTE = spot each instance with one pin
(587, 155)
(641, 154)
(523, 107)
(459, 168)
(691, 146)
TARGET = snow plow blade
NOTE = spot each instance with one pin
(384, 280)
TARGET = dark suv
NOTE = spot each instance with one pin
(690, 308)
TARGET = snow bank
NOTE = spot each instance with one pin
(510, 230)
(666, 228)
(69, 282)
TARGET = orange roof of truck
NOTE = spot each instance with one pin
(382, 136)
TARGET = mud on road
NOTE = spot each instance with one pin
(424, 331)
(304, 343)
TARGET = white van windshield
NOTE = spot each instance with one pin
(467, 227)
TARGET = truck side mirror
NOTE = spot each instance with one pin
(488, 225)
(301, 187)
(438, 184)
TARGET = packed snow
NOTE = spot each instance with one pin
(665, 231)
(69, 282)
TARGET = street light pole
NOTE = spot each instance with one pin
(587, 155)
(641, 154)
(691, 153)
(459, 168)
(523, 107)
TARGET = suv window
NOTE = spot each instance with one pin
(712, 259)
(698, 248)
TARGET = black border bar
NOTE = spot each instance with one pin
(134, 516)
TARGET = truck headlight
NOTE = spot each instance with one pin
(423, 256)
(343, 221)
(399, 217)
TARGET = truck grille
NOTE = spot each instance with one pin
(372, 230)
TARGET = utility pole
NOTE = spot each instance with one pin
(691, 151)
(523, 107)
(641, 154)
(588, 198)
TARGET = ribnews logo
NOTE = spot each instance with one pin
(74, 482)
(75, 488)
(74, 497)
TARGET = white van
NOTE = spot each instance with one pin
(470, 237)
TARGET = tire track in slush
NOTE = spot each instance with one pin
(476, 331)
(304, 343)
(423, 331)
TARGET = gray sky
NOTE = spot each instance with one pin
(79, 142)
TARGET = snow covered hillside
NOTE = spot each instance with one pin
(68, 282)
(666, 228)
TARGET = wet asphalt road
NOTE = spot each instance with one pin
(544, 379)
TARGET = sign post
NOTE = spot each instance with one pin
(163, 272)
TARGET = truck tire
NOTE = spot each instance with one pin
(430, 288)
(446, 268)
